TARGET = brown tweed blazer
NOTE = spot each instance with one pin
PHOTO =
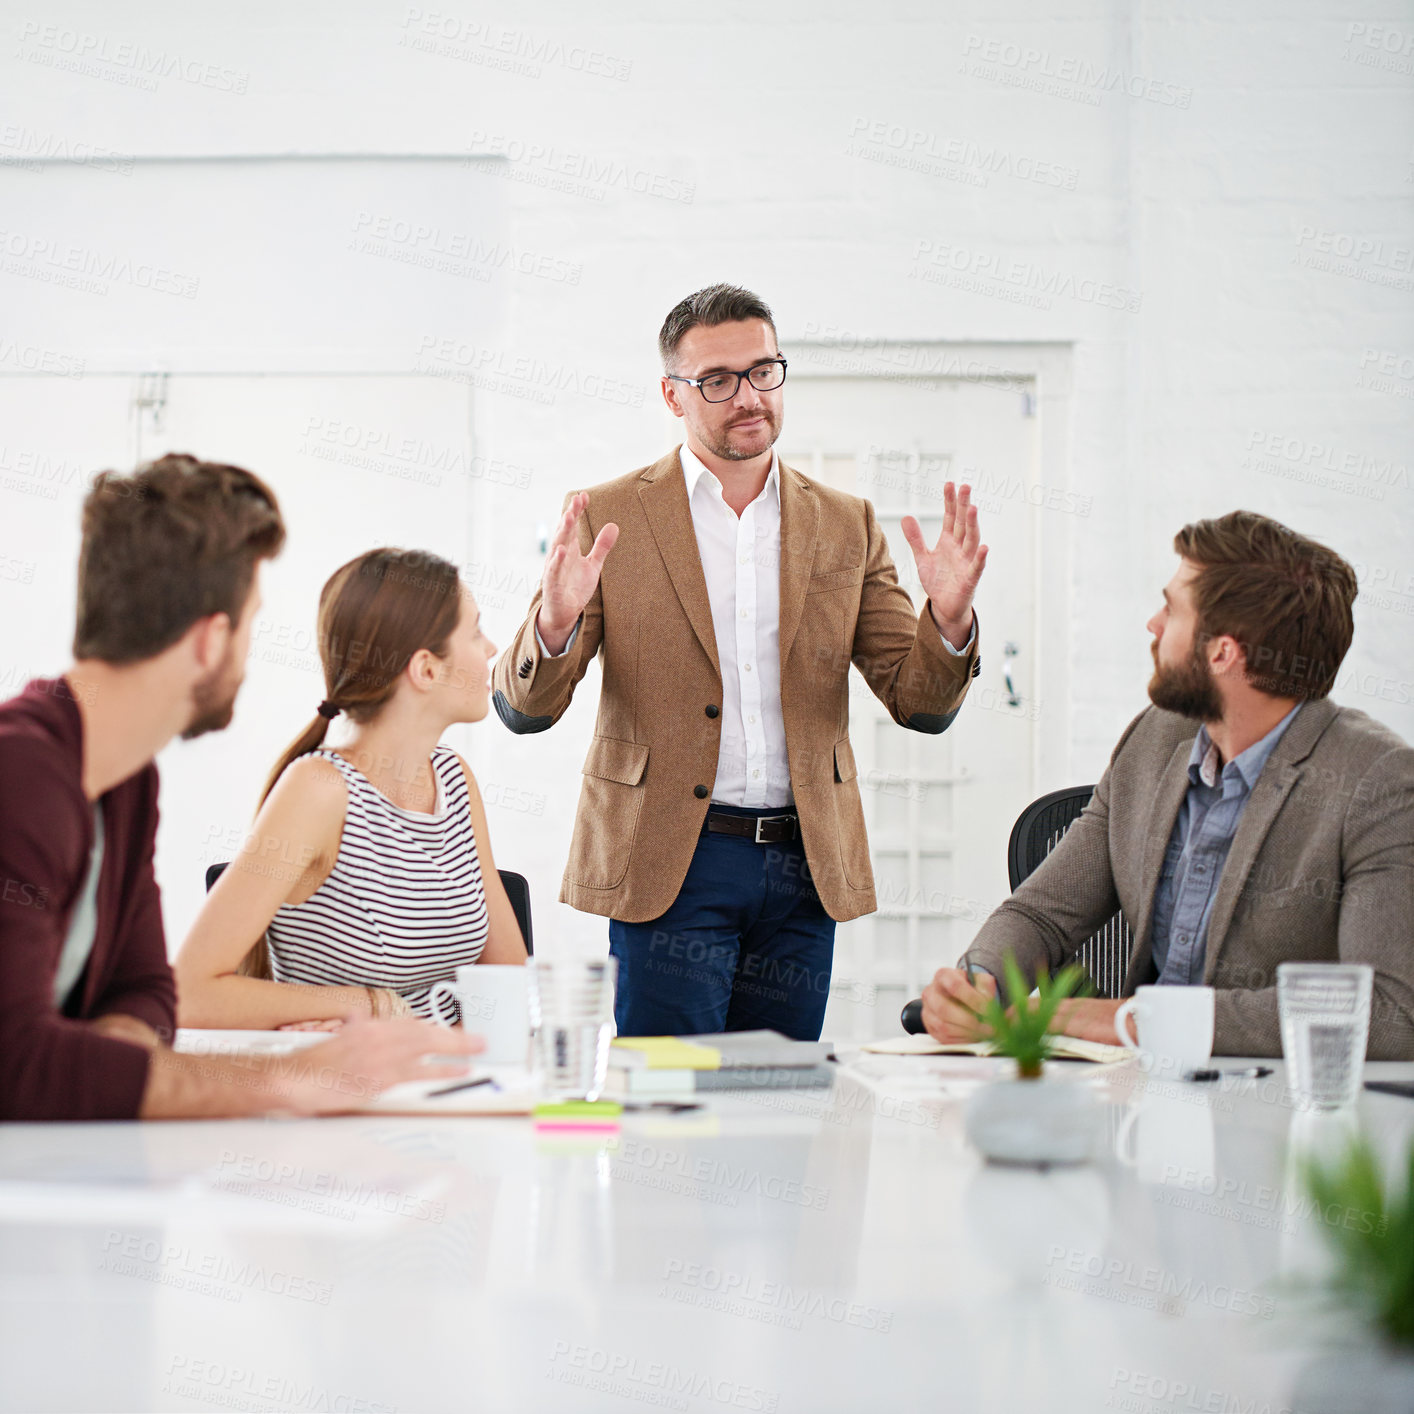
(1321, 870)
(653, 759)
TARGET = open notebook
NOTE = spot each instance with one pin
(1066, 1048)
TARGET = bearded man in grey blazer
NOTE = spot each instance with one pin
(1244, 819)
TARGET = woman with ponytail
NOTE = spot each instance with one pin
(368, 875)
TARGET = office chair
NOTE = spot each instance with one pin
(1104, 954)
(517, 890)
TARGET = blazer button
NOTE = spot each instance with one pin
(711, 709)
(701, 792)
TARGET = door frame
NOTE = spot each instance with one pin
(1048, 367)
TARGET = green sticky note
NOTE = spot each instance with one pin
(578, 1109)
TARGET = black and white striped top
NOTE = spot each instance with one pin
(403, 906)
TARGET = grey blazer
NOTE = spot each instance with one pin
(1321, 870)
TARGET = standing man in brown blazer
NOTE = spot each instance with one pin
(720, 827)
(1244, 821)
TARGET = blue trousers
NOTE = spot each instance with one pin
(745, 944)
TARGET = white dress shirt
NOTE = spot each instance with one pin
(741, 562)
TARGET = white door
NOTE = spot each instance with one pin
(939, 808)
(356, 461)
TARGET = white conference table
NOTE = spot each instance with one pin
(792, 1251)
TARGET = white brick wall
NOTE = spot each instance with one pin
(1217, 212)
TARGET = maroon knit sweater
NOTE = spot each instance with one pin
(52, 1064)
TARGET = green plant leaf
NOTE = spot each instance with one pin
(1370, 1228)
(1024, 1029)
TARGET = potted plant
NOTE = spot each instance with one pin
(1027, 1120)
(1368, 1228)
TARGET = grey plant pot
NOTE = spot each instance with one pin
(1034, 1122)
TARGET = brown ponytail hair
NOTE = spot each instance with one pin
(374, 613)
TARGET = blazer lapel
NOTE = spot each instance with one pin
(1282, 772)
(664, 498)
(1172, 787)
(800, 535)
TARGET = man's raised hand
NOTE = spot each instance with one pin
(571, 576)
(950, 570)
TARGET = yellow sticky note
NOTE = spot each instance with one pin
(670, 1053)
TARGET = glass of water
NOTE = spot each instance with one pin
(572, 1015)
(1325, 1021)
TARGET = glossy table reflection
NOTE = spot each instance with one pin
(783, 1251)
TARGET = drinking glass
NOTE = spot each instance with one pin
(1325, 1020)
(572, 1015)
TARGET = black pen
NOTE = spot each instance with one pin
(1253, 1072)
(462, 1085)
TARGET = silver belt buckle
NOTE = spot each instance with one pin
(767, 820)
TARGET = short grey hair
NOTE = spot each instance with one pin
(716, 304)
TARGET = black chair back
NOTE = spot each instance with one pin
(1038, 829)
(516, 885)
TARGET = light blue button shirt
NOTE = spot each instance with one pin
(1198, 849)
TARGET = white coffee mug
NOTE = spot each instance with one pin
(1175, 1026)
(494, 1002)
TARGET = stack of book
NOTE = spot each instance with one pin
(663, 1067)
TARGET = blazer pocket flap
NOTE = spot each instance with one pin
(844, 761)
(621, 761)
(835, 579)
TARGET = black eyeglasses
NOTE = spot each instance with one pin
(722, 387)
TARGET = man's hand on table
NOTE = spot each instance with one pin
(365, 1058)
(950, 1004)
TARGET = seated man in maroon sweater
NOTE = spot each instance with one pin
(167, 592)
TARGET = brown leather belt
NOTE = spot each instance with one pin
(776, 828)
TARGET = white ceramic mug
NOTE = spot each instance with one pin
(494, 1002)
(1175, 1026)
